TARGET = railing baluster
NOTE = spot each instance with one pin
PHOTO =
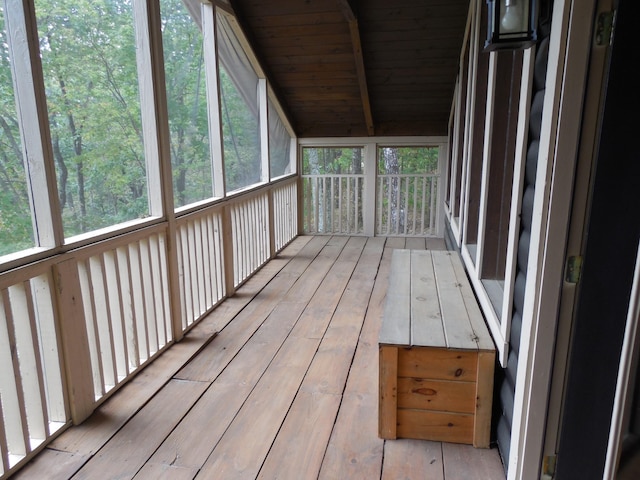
(201, 262)
(164, 287)
(11, 387)
(128, 311)
(139, 308)
(145, 255)
(91, 322)
(432, 210)
(103, 322)
(31, 365)
(246, 241)
(158, 291)
(325, 220)
(187, 274)
(49, 348)
(219, 265)
(414, 182)
(193, 270)
(380, 193)
(251, 234)
(110, 270)
(208, 253)
(264, 223)
(423, 204)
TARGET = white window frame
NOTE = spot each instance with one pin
(498, 320)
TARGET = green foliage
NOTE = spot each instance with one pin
(90, 71)
(338, 161)
(187, 104)
(89, 64)
(409, 160)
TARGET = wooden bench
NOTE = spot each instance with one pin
(436, 354)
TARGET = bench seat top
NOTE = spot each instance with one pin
(430, 303)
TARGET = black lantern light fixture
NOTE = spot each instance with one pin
(511, 24)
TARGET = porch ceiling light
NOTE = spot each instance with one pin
(511, 24)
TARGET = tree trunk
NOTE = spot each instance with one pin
(392, 167)
(64, 173)
(315, 190)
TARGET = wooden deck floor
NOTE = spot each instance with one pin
(287, 388)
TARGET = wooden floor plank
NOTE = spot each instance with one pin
(144, 433)
(354, 449)
(303, 438)
(88, 437)
(315, 319)
(415, 243)
(225, 397)
(232, 457)
(413, 459)
(396, 242)
(435, 243)
(52, 465)
(245, 444)
(462, 462)
(154, 471)
(315, 408)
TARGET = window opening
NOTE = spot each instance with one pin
(333, 185)
(279, 144)
(88, 54)
(407, 190)
(240, 111)
(186, 101)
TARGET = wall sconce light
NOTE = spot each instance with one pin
(511, 24)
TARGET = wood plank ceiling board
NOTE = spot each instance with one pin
(359, 68)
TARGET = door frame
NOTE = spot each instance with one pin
(570, 42)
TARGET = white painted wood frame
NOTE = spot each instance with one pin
(211, 68)
(265, 173)
(454, 181)
(559, 140)
(155, 124)
(473, 47)
(31, 108)
(471, 99)
(598, 59)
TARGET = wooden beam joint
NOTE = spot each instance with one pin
(354, 30)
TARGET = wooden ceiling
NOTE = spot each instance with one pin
(359, 67)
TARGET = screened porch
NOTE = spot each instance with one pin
(279, 381)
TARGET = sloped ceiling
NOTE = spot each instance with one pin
(359, 68)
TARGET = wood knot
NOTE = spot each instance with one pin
(458, 372)
(425, 391)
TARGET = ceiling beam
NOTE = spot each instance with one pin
(351, 18)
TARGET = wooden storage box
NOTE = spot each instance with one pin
(436, 354)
